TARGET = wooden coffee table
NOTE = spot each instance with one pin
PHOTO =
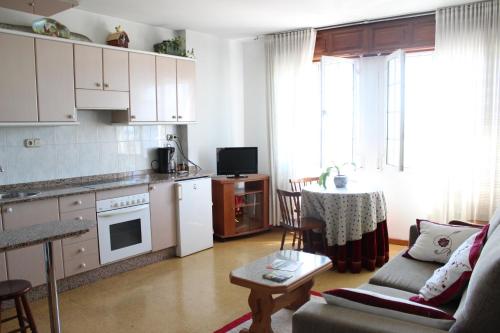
(294, 291)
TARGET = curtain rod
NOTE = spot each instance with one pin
(385, 19)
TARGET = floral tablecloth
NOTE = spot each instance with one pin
(350, 214)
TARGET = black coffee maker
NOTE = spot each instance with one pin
(165, 162)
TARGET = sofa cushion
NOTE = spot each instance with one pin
(448, 282)
(479, 312)
(450, 307)
(390, 307)
(436, 242)
(405, 274)
(494, 222)
(325, 318)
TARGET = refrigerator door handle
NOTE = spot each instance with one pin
(179, 192)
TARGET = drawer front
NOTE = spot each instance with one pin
(81, 264)
(76, 202)
(84, 214)
(80, 249)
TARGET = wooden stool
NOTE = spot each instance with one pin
(16, 290)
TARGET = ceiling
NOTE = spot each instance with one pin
(246, 18)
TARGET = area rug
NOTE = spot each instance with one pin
(281, 320)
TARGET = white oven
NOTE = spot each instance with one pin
(123, 226)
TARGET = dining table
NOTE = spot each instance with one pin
(355, 220)
(46, 234)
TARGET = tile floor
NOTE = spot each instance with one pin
(192, 294)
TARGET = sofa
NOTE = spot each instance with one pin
(477, 310)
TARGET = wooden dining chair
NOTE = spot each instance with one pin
(299, 183)
(292, 221)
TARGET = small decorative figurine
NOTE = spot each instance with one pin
(118, 38)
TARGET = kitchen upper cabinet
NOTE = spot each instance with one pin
(115, 67)
(166, 88)
(186, 78)
(88, 67)
(18, 101)
(55, 75)
(100, 69)
(28, 263)
(142, 87)
(163, 215)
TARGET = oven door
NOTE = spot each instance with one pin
(123, 233)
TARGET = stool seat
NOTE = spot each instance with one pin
(13, 288)
(16, 290)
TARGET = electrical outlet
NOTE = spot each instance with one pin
(171, 137)
(32, 143)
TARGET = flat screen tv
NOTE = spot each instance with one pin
(236, 161)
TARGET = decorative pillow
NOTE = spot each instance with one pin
(436, 242)
(448, 281)
(391, 307)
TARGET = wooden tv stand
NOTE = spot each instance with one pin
(240, 205)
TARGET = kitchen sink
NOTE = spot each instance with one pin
(15, 195)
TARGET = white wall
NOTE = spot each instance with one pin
(96, 27)
(254, 78)
(219, 97)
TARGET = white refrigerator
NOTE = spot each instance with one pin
(194, 216)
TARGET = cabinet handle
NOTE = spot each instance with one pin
(81, 250)
(97, 84)
(79, 202)
(152, 188)
(79, 218)
(83, 265)
(70, 116)
(174, 117)
(180, 117)
(9, 210)
(106, 85)
(132, 117)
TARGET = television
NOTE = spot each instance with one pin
(235, 161)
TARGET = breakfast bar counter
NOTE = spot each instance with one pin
(46, 234)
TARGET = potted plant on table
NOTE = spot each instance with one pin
(340, 179)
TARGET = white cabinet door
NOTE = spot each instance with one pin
(88, 67)
(115, 64)
(18, 79)
(55, 75)
(163, 223)
(186, 78)
(142, 87)
(166, 89)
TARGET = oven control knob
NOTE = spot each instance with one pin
(122, 203)
(115, 205)
(128, 203)
(133, 202)
(143, 200)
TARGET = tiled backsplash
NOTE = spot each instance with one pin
(91, 148)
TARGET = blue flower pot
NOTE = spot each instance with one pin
(340, 181)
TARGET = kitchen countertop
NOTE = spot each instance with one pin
(62, 187)
(42, 233)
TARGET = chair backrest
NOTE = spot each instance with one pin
(289, 208)
(299, 183)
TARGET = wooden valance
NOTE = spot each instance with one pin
(409, 34)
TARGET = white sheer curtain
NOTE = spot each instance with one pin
(468, 55)
(293, 120)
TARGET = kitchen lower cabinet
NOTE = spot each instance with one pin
(18, 102)
(3, 263)
(29, 263)
(55, 75)
(163, 215)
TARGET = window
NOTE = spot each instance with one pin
(377, 111)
